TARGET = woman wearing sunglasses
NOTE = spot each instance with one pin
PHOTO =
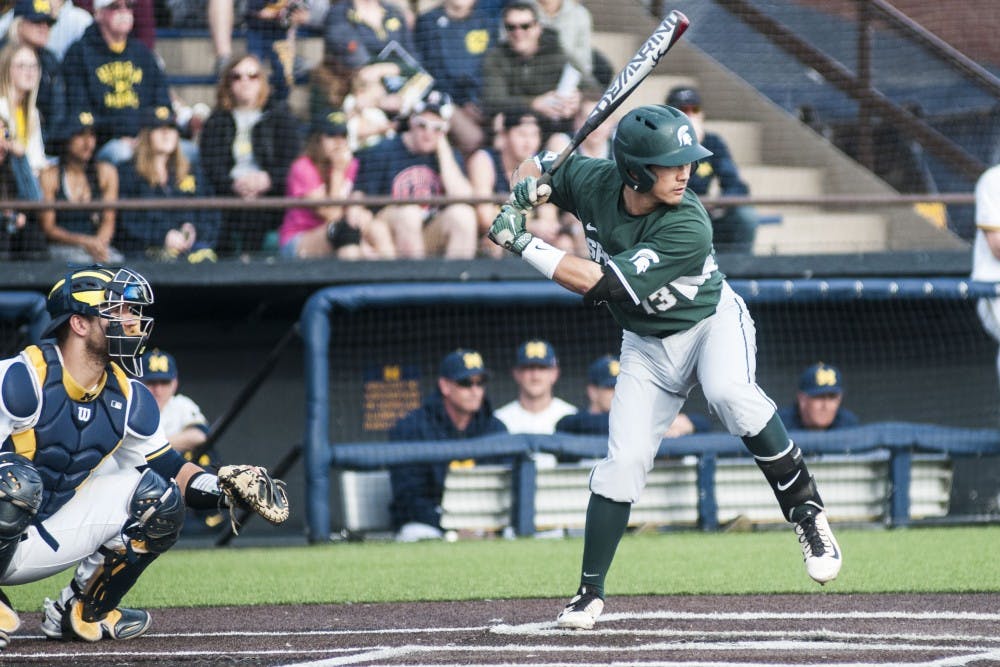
(247, 146)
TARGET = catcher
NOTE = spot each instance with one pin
(87, 476)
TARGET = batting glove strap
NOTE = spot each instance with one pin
(508, 231)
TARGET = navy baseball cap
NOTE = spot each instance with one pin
(161, 116)
(333, 124)
(79, 123)
(158, 366)
(682, 97)
(604, 371)
(345, 47)
(461, 364)
(820, 379)
(34, 11)
(536, 352)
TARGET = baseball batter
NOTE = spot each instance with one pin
(653, 265)
(87, 477)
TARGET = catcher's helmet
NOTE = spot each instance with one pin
(99, 291)
(654, 135)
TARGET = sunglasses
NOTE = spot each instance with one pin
(244, 76)
(471, 382)
(119, 7)
(690, 109)
(512, 27)
(434, 126)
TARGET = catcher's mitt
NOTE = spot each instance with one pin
(252, 488)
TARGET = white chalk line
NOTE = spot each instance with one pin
(810, 640)
(403, 651)
(814, 635)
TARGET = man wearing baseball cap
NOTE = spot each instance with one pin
(456, 410)
(602, 376)
(183, 423)
(735, 227)
(116, 77)
(420, 163)
(536, 409)
(818, 401)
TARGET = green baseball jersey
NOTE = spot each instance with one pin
(664, 259)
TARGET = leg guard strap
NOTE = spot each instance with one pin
(109, 583)
(791, 482)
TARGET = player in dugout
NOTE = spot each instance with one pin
(653, 265)
(87, 477)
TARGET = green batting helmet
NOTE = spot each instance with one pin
(654, 135)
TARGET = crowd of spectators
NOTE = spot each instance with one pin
(441, 104)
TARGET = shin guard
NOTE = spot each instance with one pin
(790, 480)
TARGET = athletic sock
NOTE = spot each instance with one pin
(771, 441)
(606, 523)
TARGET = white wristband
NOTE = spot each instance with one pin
(542, 256)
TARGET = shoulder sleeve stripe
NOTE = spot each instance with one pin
(159, 452)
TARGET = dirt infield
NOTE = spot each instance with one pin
(676, 630)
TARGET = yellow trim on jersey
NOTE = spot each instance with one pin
(77, 392)
(123, 382)
(988, 227)
(34, 354)
(158, 453)
(25, 443)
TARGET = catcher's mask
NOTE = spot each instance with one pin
(116, 294)
(654, 135)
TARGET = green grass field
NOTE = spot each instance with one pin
(914, 560)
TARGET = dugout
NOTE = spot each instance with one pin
(923, 360)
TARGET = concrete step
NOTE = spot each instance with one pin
(743, 139)
(652, 91)
(617, 47)
(774, 181)
(801, 233)
(192, 55)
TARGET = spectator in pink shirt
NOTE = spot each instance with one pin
(327, 169)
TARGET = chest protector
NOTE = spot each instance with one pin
(73, 437)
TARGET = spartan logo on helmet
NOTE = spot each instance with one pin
(684, 136)
(116, 294)
(653, 135)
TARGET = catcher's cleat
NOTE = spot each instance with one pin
(581, 612)
(820, 550)
(9, 621)
(67, 624)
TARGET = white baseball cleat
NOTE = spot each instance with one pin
(820, 550)
(581, 612)
(65, 622)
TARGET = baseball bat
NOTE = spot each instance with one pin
(626, 81)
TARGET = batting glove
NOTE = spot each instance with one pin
(527, 193)
(508, 231)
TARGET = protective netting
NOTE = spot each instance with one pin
(910, 352)
(830, 110)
